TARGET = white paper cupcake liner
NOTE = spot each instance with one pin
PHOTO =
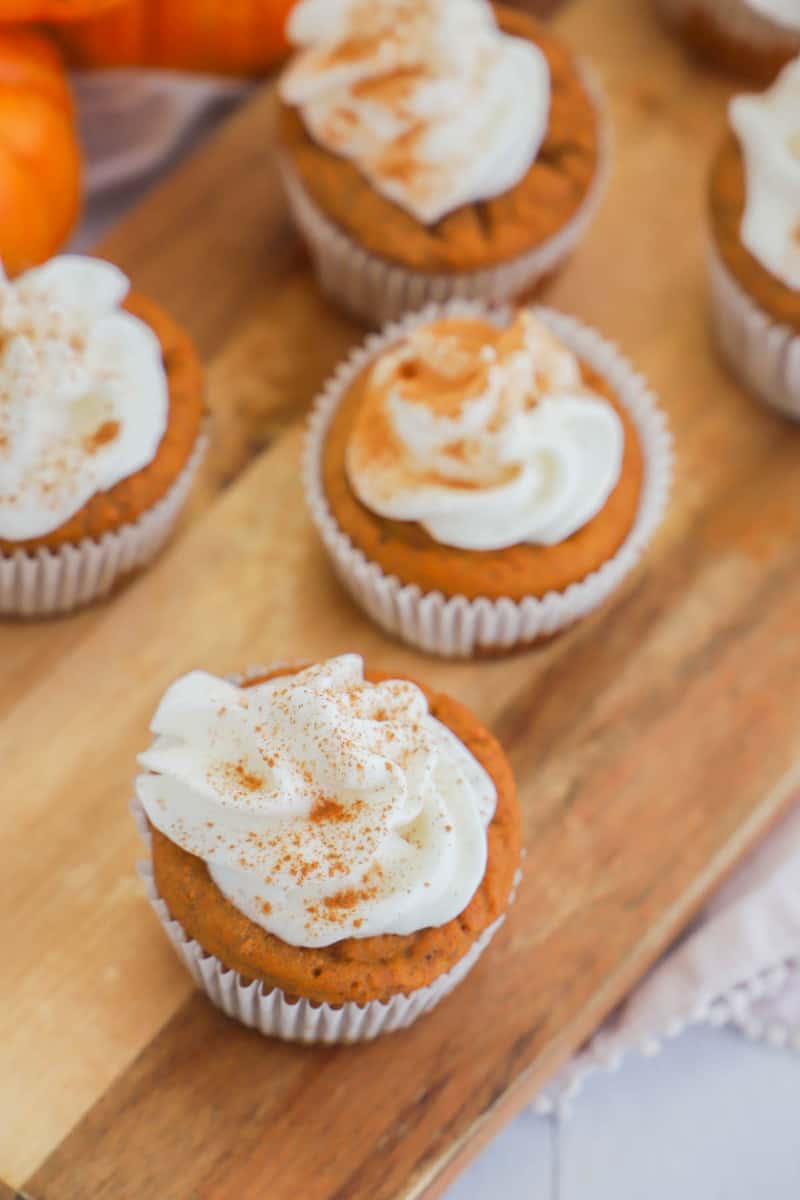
(454, 626)
(375, 290)
(58, 581)
(271, 1013)
(737, 21)
(763, 354)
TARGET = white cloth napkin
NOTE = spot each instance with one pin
(739, 964)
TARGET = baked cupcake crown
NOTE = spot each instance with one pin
(85, 393)
(486, 437)
(434, 104)
(324, 806)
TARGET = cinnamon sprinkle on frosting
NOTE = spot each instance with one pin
(104, 434)
(355, 816)
(486, 436)
(434, 103)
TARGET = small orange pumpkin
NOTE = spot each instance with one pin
(40, 164)
(241, 37)
(51, 10)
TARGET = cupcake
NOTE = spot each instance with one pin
(101, 431)
(330, 849)
(481, 478)
(434, 149)
(750, 37)
(755, 243)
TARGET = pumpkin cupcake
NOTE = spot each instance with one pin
(755, 38)
(433, 149)
(481, 479)
(100, 433)
(755, 251)
(330, 849)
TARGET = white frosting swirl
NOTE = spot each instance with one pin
(325, 807)
(782, 12)
(432, 102)
(83, 392)
(768, 128)
(487, 438)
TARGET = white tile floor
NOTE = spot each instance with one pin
(714, 1117)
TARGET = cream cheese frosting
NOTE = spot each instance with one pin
(782, 12)
(83, 392)
(324, 806)
(433, 103)
(768, 129)
(488, 438)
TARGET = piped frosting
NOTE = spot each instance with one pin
(434, 104)
(768, 129)
(84, 396)
(486, 437)
(324, 806)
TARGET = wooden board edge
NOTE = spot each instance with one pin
(444, 1171)
(8, 1193)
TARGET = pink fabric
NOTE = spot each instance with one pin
(738, 965)
(740, 962)
(135, 125)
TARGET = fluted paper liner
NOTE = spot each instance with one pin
(454, 626)
(57, 581)
(299, 1020)
(376, 291)
(736, 20)
(763, 354)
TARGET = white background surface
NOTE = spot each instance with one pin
(713, 1117)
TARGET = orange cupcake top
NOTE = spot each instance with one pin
(481, 461)
(103, 404)
(354, 967)
(755, 197)
(431, 100)
(411, 190)
(324, 804)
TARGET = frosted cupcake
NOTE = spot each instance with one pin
(483, 479)
(752, 37)
(435, 148)
(331, 850)
(755, 252)
(100, 433)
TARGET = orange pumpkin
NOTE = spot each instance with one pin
(40, 164)
(52, 10)
(242, 37)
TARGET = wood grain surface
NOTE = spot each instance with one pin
(654, 744)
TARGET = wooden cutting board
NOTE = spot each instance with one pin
(654, 744)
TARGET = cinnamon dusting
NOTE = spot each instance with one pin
(349, 898)
(353, 49)
(401, 161)
(325, 808)
(442, 367)
(104, 434)
(392, 88)
(238, 774)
